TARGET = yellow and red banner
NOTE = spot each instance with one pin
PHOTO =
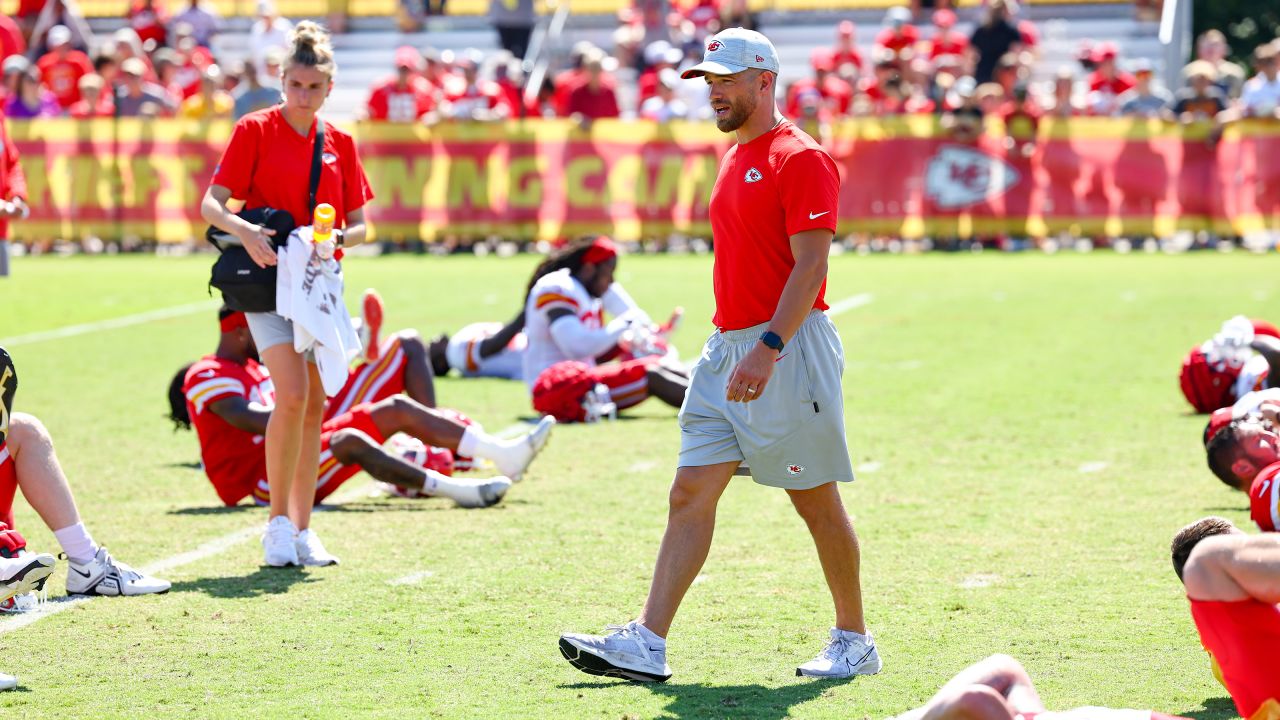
(549, 179)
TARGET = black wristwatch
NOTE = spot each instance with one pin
(772, 340)
(338, 239)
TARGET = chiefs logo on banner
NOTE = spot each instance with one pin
(958, 177)
(548, 179)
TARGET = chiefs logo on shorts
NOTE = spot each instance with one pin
(714, 45)
(795, 469)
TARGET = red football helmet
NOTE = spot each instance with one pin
(1262, 327)
(1207, 386)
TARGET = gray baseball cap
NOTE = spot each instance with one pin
(731, 51)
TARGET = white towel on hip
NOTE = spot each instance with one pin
(309, 294)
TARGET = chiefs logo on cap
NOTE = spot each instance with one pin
(714, 45)
(759, 59)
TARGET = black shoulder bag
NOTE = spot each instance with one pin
(245, 286)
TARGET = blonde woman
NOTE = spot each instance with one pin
(267, 164)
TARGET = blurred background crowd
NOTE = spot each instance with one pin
(163, 62)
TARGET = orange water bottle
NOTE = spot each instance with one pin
(322, 223)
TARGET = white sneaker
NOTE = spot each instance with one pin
(623, 653)
(846, 655)
(311, 551)
(8, 682)
(481, 493)
(278, 546)
(25, 573)
(104, 575)
(515, 465)
(21, 604)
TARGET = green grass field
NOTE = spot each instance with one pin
(1024, 457)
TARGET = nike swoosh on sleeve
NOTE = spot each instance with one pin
(815, 216)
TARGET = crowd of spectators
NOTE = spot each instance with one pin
(160, 65)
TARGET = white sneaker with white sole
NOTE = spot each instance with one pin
(279, 547)
(311, 552)
(24, 574)
(846, 654)
(104, 575)
(624, 653)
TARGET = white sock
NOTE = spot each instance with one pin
(77, 543)
(509, 455)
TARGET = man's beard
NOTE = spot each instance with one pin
(737, 116)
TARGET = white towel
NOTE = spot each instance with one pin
(309, 294)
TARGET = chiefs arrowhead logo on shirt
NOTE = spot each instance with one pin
(714, 45)
(753, 175)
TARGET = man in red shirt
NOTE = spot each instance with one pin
(62, 67)
(899, 34)
(765, 395)
(1107, 78)
(405, 97)
(946, 41)
(836, 93)
(1233, 584)
(593, 98)
(846, 50)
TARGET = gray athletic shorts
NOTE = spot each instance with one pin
(269, 330)
(792, 436)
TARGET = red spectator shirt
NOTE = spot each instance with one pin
(851, 56)
(11, 42)
(233, 458)
(389, 101)
(769, 189)
(1117, 85)
(898, 42)
(267, 164)
(149, 24)
(593, 104)
(62, 73)
(13, 183)
(835, 92)
(30, 8)
(949, 43)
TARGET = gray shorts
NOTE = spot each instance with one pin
(270, 329)
(792, 436)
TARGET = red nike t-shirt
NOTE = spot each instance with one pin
(268, 164)
(769, 189)
(1242, 637)
(1264, 499)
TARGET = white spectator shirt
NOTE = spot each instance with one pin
(463, 353)
(1261, 96)
(262, 39)
(559, 290)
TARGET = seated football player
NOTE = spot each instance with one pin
(29, 463)
(228, 397)
(564, 321)
(998, 688)
(1237, 360)
(1233, 584)
(483, 349)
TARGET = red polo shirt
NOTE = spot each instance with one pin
(769, 189)
(268, 164)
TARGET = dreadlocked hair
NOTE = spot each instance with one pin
(568, 256)
(178, 400)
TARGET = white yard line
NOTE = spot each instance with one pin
(110, 324)
(852, 302)
(217, 546)
(412, 578)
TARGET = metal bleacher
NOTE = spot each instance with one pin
(365, 52)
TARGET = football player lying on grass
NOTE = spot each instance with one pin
(228, 397)
(1233, 583)
(564, 365)
(1244, 453)
(1243, 356)
(999, 688)
(29, 463)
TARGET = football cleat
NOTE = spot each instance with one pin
(8, 682)
(104, 575)
(371, 312)
(846, 654)
(278, 546)
(623, 653)
(24, 603)
(24, 574)
(482, 493)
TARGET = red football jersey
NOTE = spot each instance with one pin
(389, 102)
(769, 189)
(1264, 499)
(1242, 637)
(233, 459)
(267, 164)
